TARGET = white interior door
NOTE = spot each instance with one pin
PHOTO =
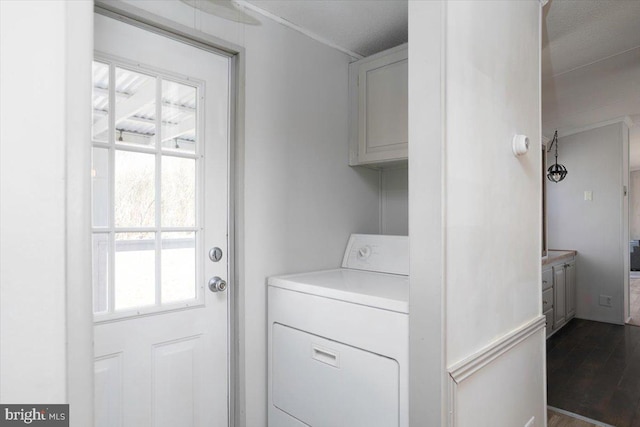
(160, 202)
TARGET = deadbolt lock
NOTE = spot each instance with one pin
(215, 254)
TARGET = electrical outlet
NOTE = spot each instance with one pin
(606, 301)
(531, 422)
(588, 195)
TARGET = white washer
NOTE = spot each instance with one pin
(339, 340)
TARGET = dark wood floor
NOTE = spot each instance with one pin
(593, 369)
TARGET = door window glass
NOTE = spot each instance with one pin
(179, 117)
(178, 266)
(135, 112)
(100, 128)
(146, 224)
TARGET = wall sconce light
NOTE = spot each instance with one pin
(556, 172)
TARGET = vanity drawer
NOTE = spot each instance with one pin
(547, 279)
(547, 300)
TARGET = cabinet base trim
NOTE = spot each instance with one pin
(579, 417)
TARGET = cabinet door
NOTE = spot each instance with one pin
(570, 283)
(559, 298)
(383, 128)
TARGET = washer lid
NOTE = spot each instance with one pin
(379, 290)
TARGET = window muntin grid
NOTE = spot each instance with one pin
(147, 183)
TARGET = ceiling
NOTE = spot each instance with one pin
(575, 32)
(590, 51)
(362, 27)
(579, 32)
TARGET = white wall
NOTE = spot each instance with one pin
(301, 199)
(634, 204)
(45, 81)
(505, 380)
(394, 201)
(492, 197)
(427, 364)
(594, 160)
(493, 245)
(32, 202)
(634, 142)
(594, 93)
(597, 92)
(480, 253)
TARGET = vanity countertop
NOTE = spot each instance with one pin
(554, 256)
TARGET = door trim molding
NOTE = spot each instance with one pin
(77, 216)
(159, 25)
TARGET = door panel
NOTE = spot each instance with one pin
(176, 381)
(108, 386)
(160, 201)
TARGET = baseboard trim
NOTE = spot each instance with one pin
(579, 417)
(472, 364)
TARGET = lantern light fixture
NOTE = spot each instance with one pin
(556, 172)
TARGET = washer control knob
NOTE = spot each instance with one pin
(364, 252)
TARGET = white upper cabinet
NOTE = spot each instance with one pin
(378, 87)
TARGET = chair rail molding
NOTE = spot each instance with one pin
(466, 368)
(462, 370)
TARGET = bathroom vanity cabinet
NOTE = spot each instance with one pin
(558, 289)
